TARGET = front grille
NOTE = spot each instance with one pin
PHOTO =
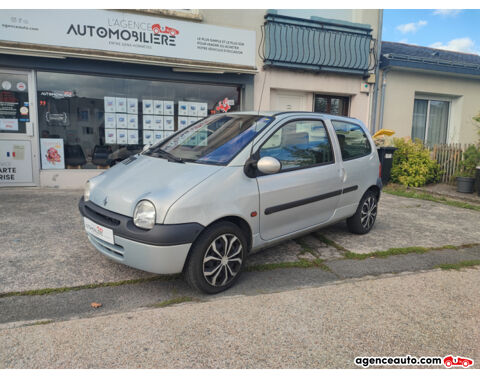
(105, 219)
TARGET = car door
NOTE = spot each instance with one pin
(306, 190)
(359, 161)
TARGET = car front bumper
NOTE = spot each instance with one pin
(151, 258)
(161, 250)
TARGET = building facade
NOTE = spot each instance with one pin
(429, 94)
(82, 90)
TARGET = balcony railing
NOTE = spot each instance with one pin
(317, 44)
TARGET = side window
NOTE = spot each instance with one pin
(299, 144)
(352, 139)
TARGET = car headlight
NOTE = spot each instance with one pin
(86, 192)
(144, 215)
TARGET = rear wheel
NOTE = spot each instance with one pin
(216, 259)
(364, 218)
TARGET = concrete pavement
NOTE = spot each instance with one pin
(433, 313)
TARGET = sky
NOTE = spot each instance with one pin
(457, 30)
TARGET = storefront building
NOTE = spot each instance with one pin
(81, 90)
(78, 94)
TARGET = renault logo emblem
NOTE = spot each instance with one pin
(105, 201)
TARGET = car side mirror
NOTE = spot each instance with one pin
(269, 165)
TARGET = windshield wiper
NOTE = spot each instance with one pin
(170, 157)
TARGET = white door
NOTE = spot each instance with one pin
(19, 163)
(290, 101)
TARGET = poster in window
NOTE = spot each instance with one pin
(183, 108)
(132, 105)
(110, 136)
(122, 136)
(132, 121)
(109, 104)
(182, 122)
(167, 107)
(158, 107)
(148, 123)
(132, 136)
(120, 104)
(110, 120)
(147, 106)
(157, 136)
(148, 137)
(158, 122)
(168, 123)
(202, 109)
(121, 121)
(166, 134)
(192, 109)
(52, 153)
(8, 124)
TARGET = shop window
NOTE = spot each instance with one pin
(430, 121)
(352, 139)
(331, 105)
(86, 112)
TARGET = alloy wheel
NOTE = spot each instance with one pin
(369, 212)
(222, 260)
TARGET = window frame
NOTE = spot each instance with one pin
(429, 99)
(345, 108)
(256, 155)
(364, 133)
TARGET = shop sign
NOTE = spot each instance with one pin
(52, 153)
(15, 162)
(129, 33)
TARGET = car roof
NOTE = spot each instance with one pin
(284, 114)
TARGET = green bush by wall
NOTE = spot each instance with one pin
(412, 164)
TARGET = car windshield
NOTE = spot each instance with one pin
(213, 140)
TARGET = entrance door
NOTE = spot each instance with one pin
(19, 164)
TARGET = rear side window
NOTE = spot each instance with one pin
(352, 139)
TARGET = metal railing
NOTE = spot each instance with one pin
(317, 45)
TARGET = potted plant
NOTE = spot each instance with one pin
(466, 171)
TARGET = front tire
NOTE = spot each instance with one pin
(216, 258)
(364, 218)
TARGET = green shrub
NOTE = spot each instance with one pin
(470, 160)
(412, 164)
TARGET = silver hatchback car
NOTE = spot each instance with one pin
(200, 201)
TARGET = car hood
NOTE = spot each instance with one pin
(143, 177)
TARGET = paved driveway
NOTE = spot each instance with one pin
(43, 244)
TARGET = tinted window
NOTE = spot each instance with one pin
(352, 139)
(299, 144)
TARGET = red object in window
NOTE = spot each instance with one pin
(13, 154)
(380, 170)
(223, 106)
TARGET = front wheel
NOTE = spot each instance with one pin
(216, 259)
(364, 218)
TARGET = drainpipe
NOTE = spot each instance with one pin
(373, 117)
(382, 98)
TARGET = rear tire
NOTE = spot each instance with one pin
(364, 218)
(216, 258)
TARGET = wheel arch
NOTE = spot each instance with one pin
(235, 219)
